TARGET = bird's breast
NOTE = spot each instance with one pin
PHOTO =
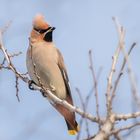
(42, 64)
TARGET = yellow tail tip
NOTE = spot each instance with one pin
(74, 132)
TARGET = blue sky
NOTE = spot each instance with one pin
(80, 25)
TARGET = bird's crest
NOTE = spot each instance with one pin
(39, 22)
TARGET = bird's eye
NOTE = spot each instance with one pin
(42, 31)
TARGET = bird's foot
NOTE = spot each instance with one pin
(44, 94)
(31, 83)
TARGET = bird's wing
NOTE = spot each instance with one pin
(69, 116)
(63, 70)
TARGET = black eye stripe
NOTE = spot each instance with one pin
(41, 31)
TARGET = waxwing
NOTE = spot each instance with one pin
(46, 67)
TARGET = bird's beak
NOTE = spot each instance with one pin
(52, 28)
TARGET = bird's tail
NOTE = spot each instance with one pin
(69, 117)
(73, 129)
(72, 125)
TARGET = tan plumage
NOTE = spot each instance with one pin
(49, 67)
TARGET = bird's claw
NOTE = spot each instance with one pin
(31, 82)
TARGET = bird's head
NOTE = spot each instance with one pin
(41, 29)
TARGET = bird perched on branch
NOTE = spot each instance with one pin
(46, 68)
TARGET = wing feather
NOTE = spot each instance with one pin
(63, 70)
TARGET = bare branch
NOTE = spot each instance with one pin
(114, 62)
(84, 106)
(10, 65)
(104, 133)
(127, 116)
(95, 85)
(70, 107)
(130, 72)
(90, 138)
(15, 54)
(120, 73)
(3, 62)
(125, 128)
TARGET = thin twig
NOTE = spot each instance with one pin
(130, 72)
(128, 134)
(90, 93)
(3, 62)
(120, 117)
(84, 106)
(112, 71)
(82, 119)
(125, 128)
(10, 65)
(88, 97)
(90, 138)
(4, 29)
(110, 77)
(15, 54)
(17, 89)
(121, 33)
(121, 72)
(95, 85)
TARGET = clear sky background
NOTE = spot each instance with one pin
(80, 25)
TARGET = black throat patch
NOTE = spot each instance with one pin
(48, 37)
(48, 34)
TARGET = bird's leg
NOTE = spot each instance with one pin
(52, 88)
(43, 94)
(31, 86)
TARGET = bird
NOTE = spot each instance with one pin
(45, 66)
